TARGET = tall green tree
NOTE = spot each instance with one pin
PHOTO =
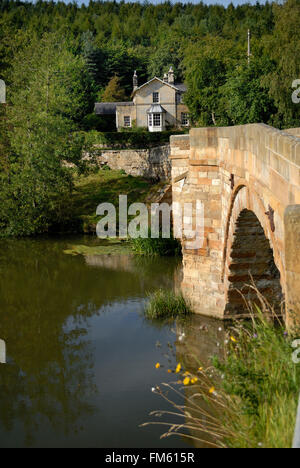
(247, 94)
(46, 96)
(284, 47)
(113, 91)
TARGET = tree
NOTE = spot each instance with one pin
(246, 95)
(113, 91)
(205, 72)
(284, 49)
(45, 98)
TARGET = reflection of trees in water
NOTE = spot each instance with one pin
(46, 298)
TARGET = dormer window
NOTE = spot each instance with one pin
(155, 98)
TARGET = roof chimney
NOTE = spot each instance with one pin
(135, 81)
(166, 79)
(171, 76)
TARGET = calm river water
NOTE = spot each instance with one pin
(81, 358)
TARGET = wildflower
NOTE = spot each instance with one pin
(194, 380)
(169, 371)
(186, 381)
(186, 374)
(153, 389)
(157, 365)
(220, 329)
(178, 368)
(255, 336)
(212, 390)
(200, 369)
(233, 339)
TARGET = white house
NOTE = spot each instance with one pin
(156, 105)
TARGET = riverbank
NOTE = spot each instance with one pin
(102, 186)
(247, 396)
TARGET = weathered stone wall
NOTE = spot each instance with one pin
(152, 163)
(251, 167)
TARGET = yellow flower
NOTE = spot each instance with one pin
(186, 374)
(212, 390)
(194, 380)
(178, 368)
(233, 339)
(200, 369)
(186, 381)
(169, 371)
(157, 365)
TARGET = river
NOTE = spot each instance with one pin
(80, 356)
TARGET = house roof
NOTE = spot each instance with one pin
(178, 86)
(156, 109)
(109, 108)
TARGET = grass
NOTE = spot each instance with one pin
(262, 384)
(160, 246)
(165, 304)
(252, 399)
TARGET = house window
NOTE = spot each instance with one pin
(156, 120)
(127, 121)
(184, 118)
(150, 120)
(155, 97)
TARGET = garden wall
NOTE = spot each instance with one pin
(152, 163)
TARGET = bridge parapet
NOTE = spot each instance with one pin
(233, 171)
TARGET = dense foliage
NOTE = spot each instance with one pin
(58, 58)
(129, 139)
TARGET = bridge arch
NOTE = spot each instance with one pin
(250, 253)
(239, 173)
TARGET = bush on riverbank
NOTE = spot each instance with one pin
(164, 304)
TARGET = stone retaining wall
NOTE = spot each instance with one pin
(152, 163)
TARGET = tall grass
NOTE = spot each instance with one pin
(165, 304)
(252, 400)
(160, 246)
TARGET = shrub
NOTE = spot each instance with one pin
(160, 246)
(138, 139)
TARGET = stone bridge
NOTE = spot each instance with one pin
(248, 178)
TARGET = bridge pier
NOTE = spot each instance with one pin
(292, 263)
(246, 177)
